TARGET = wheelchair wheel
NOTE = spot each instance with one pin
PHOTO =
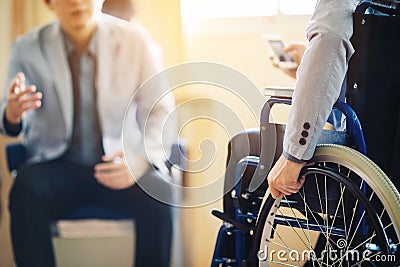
(346, 214)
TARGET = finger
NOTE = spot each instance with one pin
(293, 189)
(20, 85)
(101, 180)
(275, 62)
(271, 181)
(296, 188)
(30, 97)
(111, 159)
(108, 177)
(290, 72)
(21, 77)
(27, 92)
(30, 105)
(285, 191)
(289, 184)
(295, 185)
(25, 105)
(290, 48)
(278, 194)
(274, 192)
(107, 167)
(301, 181)
(21, 95)
(17, 82)
(13, 85)
(118, 154)
(293, 47)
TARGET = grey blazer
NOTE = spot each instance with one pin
(320, 75)
(125, 60)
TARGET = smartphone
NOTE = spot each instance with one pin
(276, 46)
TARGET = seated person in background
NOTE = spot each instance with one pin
(70, 83)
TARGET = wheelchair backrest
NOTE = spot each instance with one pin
(373, 84)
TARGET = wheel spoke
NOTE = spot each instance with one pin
(301, 239)
(344, 178)
(284, 243)
(316, 220)
(294, 215)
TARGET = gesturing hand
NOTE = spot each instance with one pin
(283, 179)
(113, 172)
(21, 99)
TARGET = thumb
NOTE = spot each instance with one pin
(117, 155)
(274, 192)
(290, 48)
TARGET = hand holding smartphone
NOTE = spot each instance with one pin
(276, 48)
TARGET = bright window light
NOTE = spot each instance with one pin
(297, 7)
(197, 9)
(191, 9)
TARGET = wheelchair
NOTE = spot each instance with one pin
(347, 205)
(346, 214)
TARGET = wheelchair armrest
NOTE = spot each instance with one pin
(390, 7)
(279, 92)
(352, 122)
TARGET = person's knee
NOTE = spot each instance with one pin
(26, 192)
(156, 186)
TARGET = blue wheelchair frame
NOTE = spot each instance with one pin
(239, 228)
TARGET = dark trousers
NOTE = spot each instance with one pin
(43, 191)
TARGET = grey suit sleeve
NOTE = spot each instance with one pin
(320, 75)
(12, 129)
(14, 66)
